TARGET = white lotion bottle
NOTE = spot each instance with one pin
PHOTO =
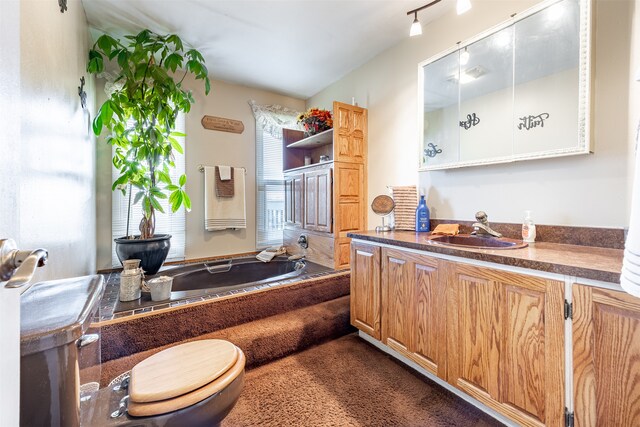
(528, 228)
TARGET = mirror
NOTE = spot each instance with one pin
(383, 205)
(519, 91)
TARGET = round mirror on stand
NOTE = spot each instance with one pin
(383, 205)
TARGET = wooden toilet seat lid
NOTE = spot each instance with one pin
(164, 406)
(181, 369)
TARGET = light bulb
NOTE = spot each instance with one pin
(463, 6)
(416, 28)
(464, 57)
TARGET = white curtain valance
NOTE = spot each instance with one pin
(273, 118)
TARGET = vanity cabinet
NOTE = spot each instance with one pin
(497, 336)
(506, 342)
(606, 357)
(365, 288)
(413, 309)
(326, 199)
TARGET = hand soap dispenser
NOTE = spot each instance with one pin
(528, 228)
(423, 220)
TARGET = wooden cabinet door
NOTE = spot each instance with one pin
(318, 213)
(506, 346)
(350, 133)
(365, 288)
(293, 197)
(414, 309)
(349, 201)
(397, 300)
(606, 357)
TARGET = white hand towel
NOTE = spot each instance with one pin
(225, 172)
(270, 253)
(629, 279)
(221, 213)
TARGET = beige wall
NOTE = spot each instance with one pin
(634, 95)
(47, 165)
(583, 190)
(204, 147)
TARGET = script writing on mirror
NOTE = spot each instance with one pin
(530, 122)
(472, 120)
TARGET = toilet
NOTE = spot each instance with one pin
(191, 384)
(194, 384)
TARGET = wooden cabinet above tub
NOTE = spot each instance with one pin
(500, 334)
(327, 200)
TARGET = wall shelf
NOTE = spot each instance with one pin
(317, 140)
(312, 165)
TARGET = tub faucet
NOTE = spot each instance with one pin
(481, 228)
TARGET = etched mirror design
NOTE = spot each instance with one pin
(517, 92)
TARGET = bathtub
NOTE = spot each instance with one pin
(225, 277)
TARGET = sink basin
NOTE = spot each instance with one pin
(478, 242)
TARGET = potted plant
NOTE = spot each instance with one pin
(140, 115)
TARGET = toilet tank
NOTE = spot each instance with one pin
(55, 318)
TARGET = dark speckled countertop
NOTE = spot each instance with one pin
(586, 262)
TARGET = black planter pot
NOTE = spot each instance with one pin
(151, 252)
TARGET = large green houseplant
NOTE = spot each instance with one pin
(140, 115)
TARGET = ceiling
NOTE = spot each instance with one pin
(293, 47)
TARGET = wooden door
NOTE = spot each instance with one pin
(506, 346)
(414, 309)
(318, 213)
(606, 357)
(350, 133)
(293, 197)
(349, 201)
(365, 288)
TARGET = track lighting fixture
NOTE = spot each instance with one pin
(463, 6)
(464, 57)
(416, 29)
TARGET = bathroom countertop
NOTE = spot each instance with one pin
(588, 262)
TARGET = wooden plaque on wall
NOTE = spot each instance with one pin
(222, 124)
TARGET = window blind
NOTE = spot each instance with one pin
(270, 190)
(168, 223)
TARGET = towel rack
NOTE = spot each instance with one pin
(201, 169)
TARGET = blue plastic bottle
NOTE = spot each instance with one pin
(423, 220)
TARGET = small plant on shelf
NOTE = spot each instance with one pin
(315, 121)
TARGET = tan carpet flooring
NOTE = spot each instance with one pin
(347, 382)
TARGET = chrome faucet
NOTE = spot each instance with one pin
(17, 267)
(481, 228)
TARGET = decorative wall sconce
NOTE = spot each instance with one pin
(63, 5)
(82, 94)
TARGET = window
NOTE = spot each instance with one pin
(168, 223)
(270, 190)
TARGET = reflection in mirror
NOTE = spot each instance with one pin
(486, 93)
(516, 92)
(547, 47)
(441, 111)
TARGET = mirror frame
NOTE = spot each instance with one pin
(583, 145)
